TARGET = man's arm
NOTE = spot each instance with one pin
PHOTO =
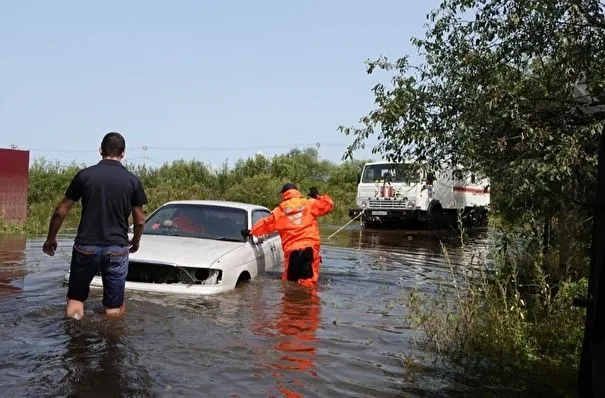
(61, 211)
(138, 223)
(138, 215)
(72, 195)
(264, 226)
(321, 205)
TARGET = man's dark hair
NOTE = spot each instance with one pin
(287, 186)
(113, 145)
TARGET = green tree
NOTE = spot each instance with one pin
(262, 189)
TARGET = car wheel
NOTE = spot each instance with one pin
(243, 277)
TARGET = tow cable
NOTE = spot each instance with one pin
(344, 226)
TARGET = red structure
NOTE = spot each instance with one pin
(14, 177)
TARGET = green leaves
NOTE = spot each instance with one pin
(256, 179)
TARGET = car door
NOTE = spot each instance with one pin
(270, 244)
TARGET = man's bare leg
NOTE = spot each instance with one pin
(74, 309)
(115, 312)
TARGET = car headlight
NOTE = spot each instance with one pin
(364, 204)
(411, 204)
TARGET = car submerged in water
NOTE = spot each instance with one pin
(197, 247)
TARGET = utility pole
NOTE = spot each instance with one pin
(145, 148)
(317, 154)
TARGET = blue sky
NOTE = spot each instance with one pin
(212, 80)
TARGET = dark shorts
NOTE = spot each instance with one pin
(87, 261)
(300, 264)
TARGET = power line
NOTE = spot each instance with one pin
(72, 150)
(246, 148)
(146, 148)
(61, 150)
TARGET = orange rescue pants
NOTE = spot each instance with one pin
(302, 266)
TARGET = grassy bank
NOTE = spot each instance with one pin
(256, 180)
(506, 318)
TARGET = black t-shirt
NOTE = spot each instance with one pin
(108, 192)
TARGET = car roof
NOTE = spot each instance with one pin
(224, 203)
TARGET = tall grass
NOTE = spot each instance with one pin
(504, 316)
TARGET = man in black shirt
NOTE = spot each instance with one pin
(109, 194)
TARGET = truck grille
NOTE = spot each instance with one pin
(387, 204)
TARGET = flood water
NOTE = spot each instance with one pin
(347, 338)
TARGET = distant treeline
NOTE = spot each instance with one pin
(256, 180)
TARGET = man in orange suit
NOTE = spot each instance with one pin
(295, 219)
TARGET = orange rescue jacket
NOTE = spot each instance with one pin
(295, 219)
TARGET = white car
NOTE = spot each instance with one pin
(196, 247)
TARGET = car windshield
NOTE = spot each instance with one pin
(391, 172)
(198, 221)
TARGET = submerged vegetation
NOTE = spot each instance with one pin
(505, 317)
(256, 179)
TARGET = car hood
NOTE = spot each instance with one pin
(187, 252)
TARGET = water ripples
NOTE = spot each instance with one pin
(349, 337)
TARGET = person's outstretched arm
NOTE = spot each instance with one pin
(264, 226)
(321, 204)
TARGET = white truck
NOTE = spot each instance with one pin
(394, 193)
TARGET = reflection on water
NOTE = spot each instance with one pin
(12, 268)
(96, 362)
(294, 332)
(403, 241)
(297, 324)
(92, 362)
(348, 337)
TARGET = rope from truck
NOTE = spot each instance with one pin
(350, 221)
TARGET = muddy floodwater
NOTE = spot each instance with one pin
(348, 338)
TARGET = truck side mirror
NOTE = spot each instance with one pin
(358, 177)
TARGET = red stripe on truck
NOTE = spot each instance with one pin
(461, 188)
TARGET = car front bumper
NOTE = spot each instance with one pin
(172, 288)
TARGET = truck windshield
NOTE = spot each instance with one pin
(391, 172)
